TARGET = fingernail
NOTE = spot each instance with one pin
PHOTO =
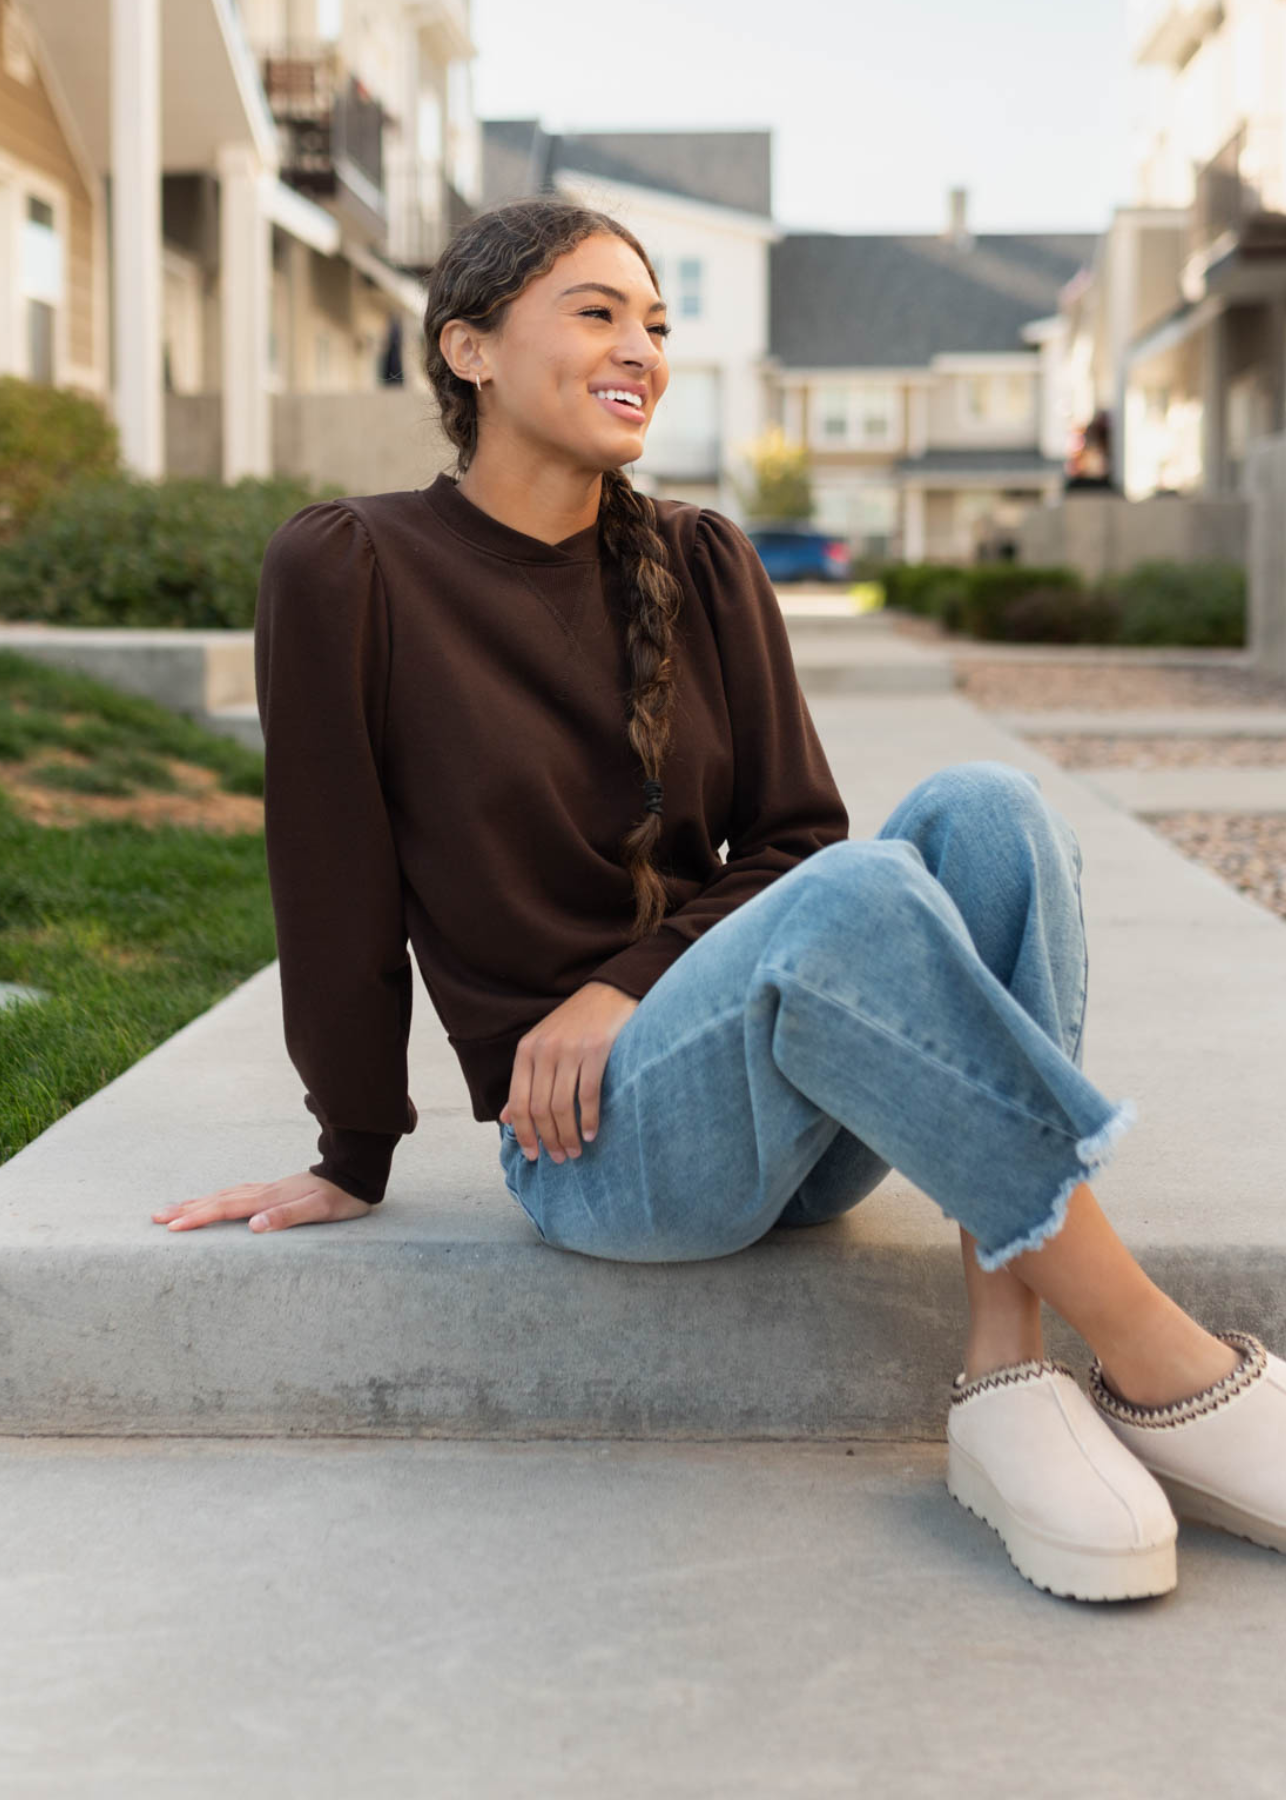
(258, 1222)
(588, 1136)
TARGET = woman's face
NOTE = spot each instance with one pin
(541, 371)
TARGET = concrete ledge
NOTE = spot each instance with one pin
(188, 671)
(442, 1313)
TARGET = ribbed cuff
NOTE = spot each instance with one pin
(357, 1161)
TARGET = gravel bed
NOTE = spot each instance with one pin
(1164, 751)
(1110, 687)
(1248, 850)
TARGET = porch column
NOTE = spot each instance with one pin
(913, 524)
(245, 310)
(1277, 364)
(135, 126)
(1214, 402)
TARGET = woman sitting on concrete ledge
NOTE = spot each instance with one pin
(512, 718)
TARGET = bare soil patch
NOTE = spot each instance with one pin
(197, 802)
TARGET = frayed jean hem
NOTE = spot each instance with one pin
(1094, 1152)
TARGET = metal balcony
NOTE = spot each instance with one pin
(1170, 31)
(1239, 196)
(331, 129)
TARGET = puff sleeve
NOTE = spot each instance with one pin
(321, 649)
(785, 804)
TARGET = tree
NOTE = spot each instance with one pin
(782, 486)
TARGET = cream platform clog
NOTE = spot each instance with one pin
(1078, 1514)
(1220, 1455)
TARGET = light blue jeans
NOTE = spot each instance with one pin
(914, 1001)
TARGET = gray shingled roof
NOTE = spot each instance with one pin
(979, 462)
(884, 302)
(725, 168)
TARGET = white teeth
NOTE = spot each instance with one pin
(620, 394)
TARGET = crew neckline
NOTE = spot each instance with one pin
(488, 533)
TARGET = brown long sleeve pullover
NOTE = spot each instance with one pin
(444, 705)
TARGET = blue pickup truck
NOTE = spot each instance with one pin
(800, 553)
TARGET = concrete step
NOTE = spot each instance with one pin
(697, 1621)
(1190, 790)
(209, 675)
(865, 658)
(442, 1312)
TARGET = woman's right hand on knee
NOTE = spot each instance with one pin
(303, 1199)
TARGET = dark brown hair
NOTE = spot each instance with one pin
(485, 266)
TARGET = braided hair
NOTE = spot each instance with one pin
(483, 269)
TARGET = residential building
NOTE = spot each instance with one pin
(922, 374)
(1182, 330)
(215, 214)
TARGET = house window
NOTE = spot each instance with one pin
(866, 514)
(874, 414)
(833, 414)
(977, 396)
(330, 18)
(1017, 397)
(41, 286)
(690, 287)
(857, 415)
(876, 511)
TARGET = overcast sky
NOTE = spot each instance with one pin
(876, 110)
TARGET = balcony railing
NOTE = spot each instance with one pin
(332, 127)
(1242, 184)
(424, 210)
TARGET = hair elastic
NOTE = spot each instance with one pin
(653, 791)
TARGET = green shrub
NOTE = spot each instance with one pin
(123, 551)
(1057, 615)
(990, 589)
(920, 587)
(1163, 603)
(1199, 603)
(49, 437)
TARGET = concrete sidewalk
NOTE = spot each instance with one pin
(443, 1313)
(595, 1621)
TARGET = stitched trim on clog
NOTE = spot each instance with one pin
(1022, 1371)
(1178, 1412)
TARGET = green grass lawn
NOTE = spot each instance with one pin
(129, 929)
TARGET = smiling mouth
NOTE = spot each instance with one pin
(621, 408)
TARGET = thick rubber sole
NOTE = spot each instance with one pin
(1068, 1573)
(1209, 1509)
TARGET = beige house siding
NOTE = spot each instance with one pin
(1015, 422)
(31, 136)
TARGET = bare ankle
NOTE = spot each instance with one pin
(985, 1352)
(1174, 1361)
